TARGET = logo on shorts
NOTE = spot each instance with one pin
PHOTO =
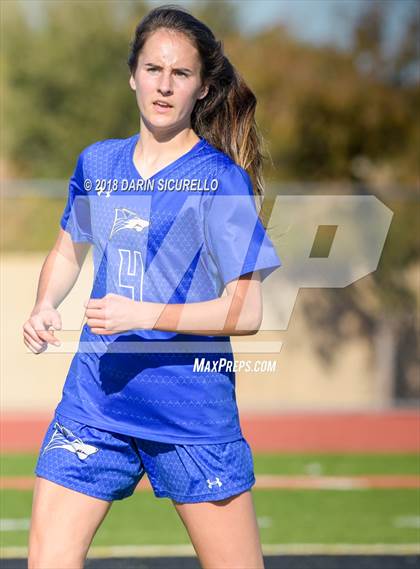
(127, 219)
(64, 438)
(216, 482)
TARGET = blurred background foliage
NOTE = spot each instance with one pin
(326, 113)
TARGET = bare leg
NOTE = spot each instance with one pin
(63, 525)
(224, 533)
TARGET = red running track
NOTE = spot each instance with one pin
(396, 431)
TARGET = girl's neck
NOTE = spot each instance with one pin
(151, 155)
(153, 147)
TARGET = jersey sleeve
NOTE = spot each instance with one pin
(76, 219)
(235, 236)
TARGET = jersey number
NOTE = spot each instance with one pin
(131, 272)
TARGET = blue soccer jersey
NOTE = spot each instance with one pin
(177, 237)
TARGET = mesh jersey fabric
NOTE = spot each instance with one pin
(177, 237)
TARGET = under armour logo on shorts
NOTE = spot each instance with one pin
(217, 482)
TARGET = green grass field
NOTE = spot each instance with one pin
(285, 516)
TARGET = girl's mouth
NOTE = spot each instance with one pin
(162, 106)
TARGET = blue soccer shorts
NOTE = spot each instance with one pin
(108, 465)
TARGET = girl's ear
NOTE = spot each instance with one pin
(132, 83)
(204, 91)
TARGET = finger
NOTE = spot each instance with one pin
(28, 328)
(48, 337)
(42, 349)
(40, 327)
(94, 303)
(94, 312)
(96, 323)
(30, 342)
(30, 348)
(102, 331)
(34, 346)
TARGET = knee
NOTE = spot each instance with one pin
(52, 556)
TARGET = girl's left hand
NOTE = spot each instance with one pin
(112, 314)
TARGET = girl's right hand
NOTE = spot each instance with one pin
(36, 330)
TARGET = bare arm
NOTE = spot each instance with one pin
(237, 313)
(59, 273)
(60, 270)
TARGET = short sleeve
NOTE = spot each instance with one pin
(76, 218)
(235, 235)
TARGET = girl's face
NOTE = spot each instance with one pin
(168, 70)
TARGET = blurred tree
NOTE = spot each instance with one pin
(406, 59)
(68, 85)
(320, 113)
(220, 17)
(369, 35)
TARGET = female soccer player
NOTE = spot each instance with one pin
(179, 256)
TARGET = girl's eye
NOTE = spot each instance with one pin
(153, 69)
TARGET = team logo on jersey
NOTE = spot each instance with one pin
(127, 219)
(64, 438)
(216, 482)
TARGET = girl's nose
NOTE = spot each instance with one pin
(165, 85)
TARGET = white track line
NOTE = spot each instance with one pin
(14, 524)
(268, 549)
